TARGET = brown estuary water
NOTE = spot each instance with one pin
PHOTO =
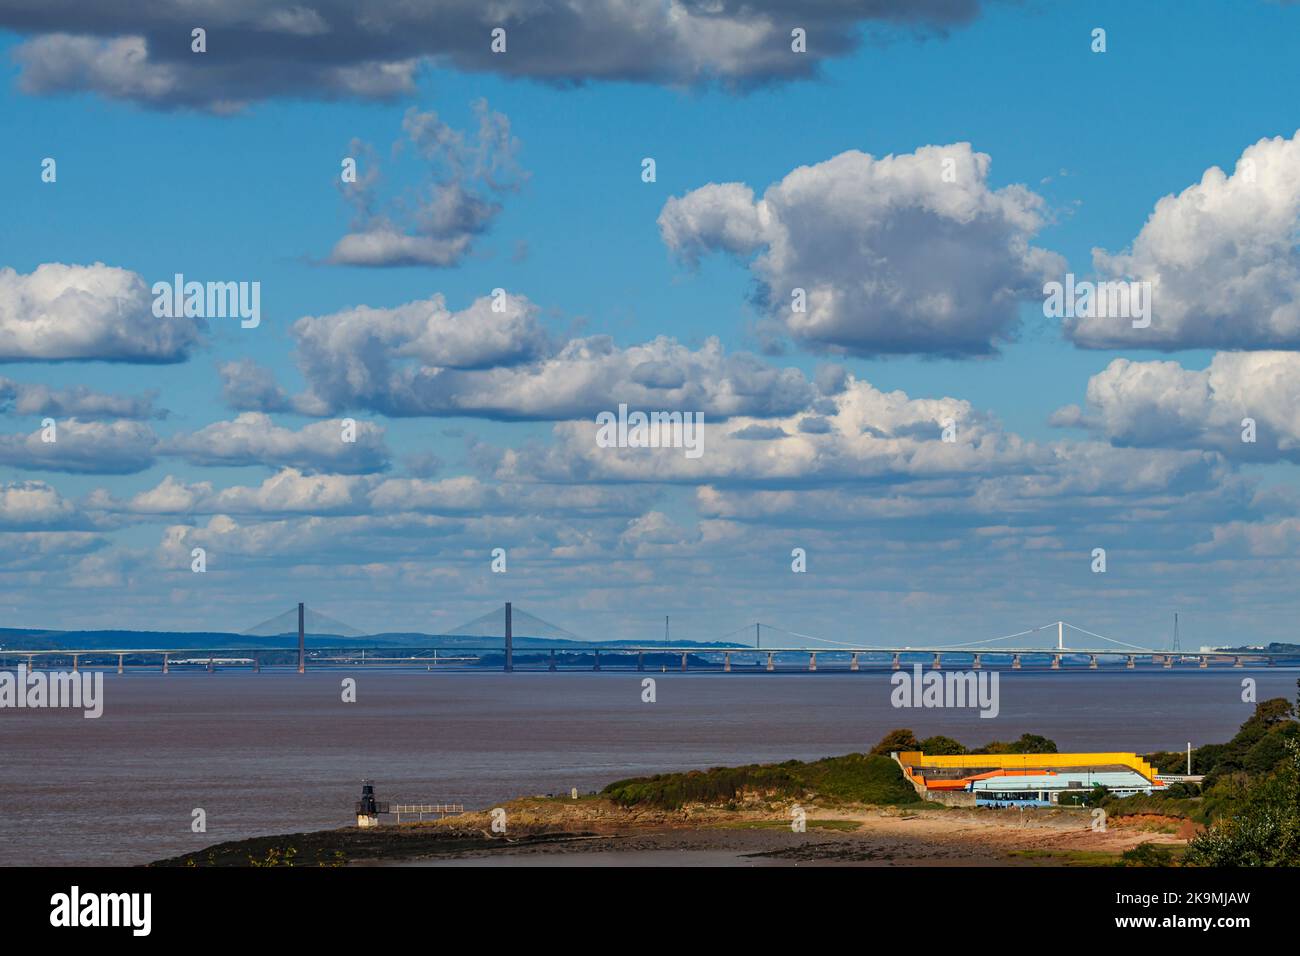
(279, 752)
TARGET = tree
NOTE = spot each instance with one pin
(940, 745)
(1264, 830)
(896, 740)
(1097, 795)
(1027, 744)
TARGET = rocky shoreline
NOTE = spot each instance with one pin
(596, 831)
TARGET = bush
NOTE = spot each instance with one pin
(856, 778)
(1148, 854)
(1264, 830)
(941, 745)
(896, 741)
(1027, 744)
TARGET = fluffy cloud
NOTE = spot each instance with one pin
(87, 312)
(33, 505)
(861, 434)
(254, 439)
(451, 208)
(380, 540)
(893, 259)
(1221, 258)
(247, 386)
(422, 359)
(45, 551)
(333, 48)
(390, 359)
(1066, 486)
(1162, 404)
(101, 448)
(290, 491)
(1254, 540)
(160, 70)
(76, 402)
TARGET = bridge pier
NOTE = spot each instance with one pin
(683, 662)
(74, 663)
(770, 666)
(1205, 660)
(1132, 662)
(853, 662)
(596, 667)
(1056, 662)
(1236, 662)
(209, 665)
(976, 664)
(812, 661)
(640, 660)
(1169, 660)
(30, 662)
(257, 663)
(938, 663)
(119, 662)
(1092, 662)
(896, 665)
(550, 661)
(166, 662)
(726, 662)
(1015, 662)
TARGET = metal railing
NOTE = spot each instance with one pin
(442, 809)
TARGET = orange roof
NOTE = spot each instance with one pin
(961, 782)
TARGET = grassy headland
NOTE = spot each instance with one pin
(859, 808)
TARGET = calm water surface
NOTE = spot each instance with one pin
(279, 752)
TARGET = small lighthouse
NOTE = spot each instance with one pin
(368, 809)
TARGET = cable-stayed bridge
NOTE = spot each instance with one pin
(301, 636)
(314, 623)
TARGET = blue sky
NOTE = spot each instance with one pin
(158, 183)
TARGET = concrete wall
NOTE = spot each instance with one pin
(950, 798)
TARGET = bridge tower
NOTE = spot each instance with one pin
(510, 640)
(302, 650)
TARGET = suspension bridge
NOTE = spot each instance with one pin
(495, 638)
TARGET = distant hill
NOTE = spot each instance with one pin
(12, 638)
(1275, 648)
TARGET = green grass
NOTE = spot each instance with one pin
(1068, 857)
(1189, 808)
(853, 778)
